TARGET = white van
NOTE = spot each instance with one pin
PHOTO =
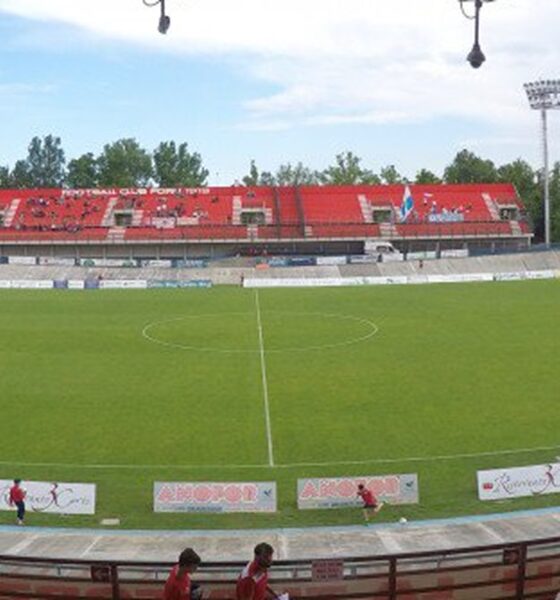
(382, 249)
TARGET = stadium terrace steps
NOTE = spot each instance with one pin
(367, 212)
(491, 206)
(10, 213)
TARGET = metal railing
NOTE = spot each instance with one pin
(529, 569)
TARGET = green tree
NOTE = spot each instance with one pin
(555, 203)
(5, 179)
(267, 179)
(391, 176)
(175, 166)
(46, 161)
(83, 172)
(298, 174)
(20, 176)
(427, 177)
(525, 179)
(124, 163)
(347, 171)
(253, 177)
(467, 167)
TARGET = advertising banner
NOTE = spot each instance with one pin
(215, 497)
(107, 262)
(163, 264)
(56, 262)
(76, 284)
(537, 480)
(123, 284)
(60, 284)
(27, 284)
(460, 253)
(22, 260)
(49, 497)
(301, 261)
(342, 491)
(178, 284)
(446, 218)
(331, 260)
(190, 263)
(549, 274)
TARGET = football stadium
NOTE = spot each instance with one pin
(323, 384)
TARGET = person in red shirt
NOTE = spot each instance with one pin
(371, 505)
(179, 585)
(17, 499)
(252, 583)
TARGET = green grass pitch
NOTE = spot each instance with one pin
(444, 370)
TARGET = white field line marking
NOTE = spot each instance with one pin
(264, 383)
(292, 465)
(373, 330)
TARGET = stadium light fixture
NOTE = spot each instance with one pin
(164, 20)
(476, 56)
(544, 95)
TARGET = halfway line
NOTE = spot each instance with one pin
(264, 383)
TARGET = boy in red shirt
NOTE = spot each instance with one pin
(253, 581)
(179, 585)
(371, 504)
(17, 499)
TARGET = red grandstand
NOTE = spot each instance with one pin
(221, 221)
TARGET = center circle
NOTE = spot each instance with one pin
(237, 332)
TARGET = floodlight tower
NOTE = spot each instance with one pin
(544, 95)
(476, 56)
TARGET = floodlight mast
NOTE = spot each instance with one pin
(544, 95)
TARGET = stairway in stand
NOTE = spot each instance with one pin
(516, 228)
(236, 211)
(11, 212)
(107, 220)
(365, 207)
(491, 206)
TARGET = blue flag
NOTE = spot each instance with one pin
(407, 205)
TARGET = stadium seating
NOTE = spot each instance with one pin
(262, 213)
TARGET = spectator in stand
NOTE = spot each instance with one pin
(179, 585)
(371, 504)
(17, 499)
(253, 581)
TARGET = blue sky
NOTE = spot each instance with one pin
(277, 81)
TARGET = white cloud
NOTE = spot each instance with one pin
(345, 61)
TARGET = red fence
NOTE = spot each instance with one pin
(506, 572)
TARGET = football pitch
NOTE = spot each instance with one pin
(124, 388)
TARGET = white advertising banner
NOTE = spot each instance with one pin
(537, 480)
(76, 284)
(22, 260)
(57, 262)
(342, 491)
(49, 497)
(331, 260)
(549, 274)
(27, 284)
(215, 497)
(123, 284)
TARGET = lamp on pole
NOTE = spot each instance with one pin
(164, 20)
(476, 56)
(544, 95)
